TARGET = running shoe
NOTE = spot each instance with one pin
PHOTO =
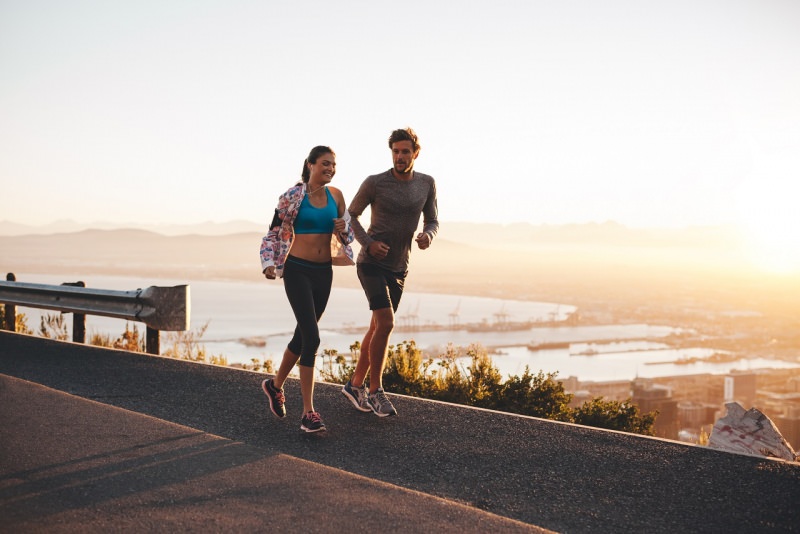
(312, 422)
(276, 398)
(358, 396)
(381, 405)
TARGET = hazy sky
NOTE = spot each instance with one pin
(648, 113)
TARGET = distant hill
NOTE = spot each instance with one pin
(607, 234)
(604, 268)
(8, 228)
(597, 261)
(222, 250)
(494, 235)
(146, 253)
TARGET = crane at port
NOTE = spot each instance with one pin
(455, 315)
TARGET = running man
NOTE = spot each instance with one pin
(397, 198)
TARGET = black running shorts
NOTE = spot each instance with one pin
(382, 287)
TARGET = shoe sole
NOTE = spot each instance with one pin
(355, 402)
(311, 430)
(269, 398)
(379, 414)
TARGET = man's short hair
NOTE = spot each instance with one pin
(405, 134)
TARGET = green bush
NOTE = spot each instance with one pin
(614, 415)
(480, 384)
(336, 367)
(539, 395)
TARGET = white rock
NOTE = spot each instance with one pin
(749, 432)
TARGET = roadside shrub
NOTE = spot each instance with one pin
(338, 368)
(539, 395)
(614, 415)
(20, 321)
(186, 345)
(130, 339)
(480, 384)
(53, 326)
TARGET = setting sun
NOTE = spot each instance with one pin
(772, 250)
(768, 218)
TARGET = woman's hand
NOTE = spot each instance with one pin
(339, 226)
(269, 272)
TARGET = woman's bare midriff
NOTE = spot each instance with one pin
(312, 247)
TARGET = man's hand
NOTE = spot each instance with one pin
(378, 250)
(269, 272)
(423, 240)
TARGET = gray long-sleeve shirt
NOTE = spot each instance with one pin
(395, 209)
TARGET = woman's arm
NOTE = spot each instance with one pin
(270, 243)
(342, 227)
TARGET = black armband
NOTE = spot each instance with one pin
(276, 221)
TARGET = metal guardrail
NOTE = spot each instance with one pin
(159, 308)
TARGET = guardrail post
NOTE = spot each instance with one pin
(10, 310)
(78, 319)
(152, 343)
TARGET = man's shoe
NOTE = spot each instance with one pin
(276, 398)
(312, 422)
(381, 405)
(358, 396)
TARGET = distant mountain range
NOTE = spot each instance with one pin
(9, 228)
(500, 236)
(230, 250)
(605, 262)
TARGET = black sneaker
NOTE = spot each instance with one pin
(381, 406)
(312, 422)
(358, 396)
(276, 398)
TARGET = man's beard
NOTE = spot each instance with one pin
(406, 169)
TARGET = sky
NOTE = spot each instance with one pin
(650, 114)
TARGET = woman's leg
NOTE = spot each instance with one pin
(288, 362)
(307, 387)
(321, 291)
(308, 290)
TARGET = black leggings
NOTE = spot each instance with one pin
(308, 286)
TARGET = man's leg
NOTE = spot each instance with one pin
(362, 365)
(382, 292)
(380, 404)
(354, 389)
(383, 324)
(372, 359)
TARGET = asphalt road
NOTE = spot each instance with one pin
(440, 467)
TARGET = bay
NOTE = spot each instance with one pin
(250, 322)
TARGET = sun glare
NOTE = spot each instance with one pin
(769, 220)
(772, 251)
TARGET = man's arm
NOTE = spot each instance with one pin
(430, 214)
(363, 198)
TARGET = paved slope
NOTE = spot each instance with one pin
(560, 477)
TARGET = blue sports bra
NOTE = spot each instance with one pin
(312, 220)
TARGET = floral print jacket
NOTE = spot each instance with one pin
(276, 244)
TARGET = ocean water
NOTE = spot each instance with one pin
(233, 312)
